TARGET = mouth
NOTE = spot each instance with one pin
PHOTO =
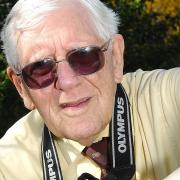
(75, 104)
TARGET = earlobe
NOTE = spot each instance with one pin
(17, 81)
(118, 57)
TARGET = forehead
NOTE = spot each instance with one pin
(63, 28)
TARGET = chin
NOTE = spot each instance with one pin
(80, 131)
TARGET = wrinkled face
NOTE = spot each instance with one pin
(77, 107)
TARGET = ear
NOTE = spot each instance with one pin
(118, 57)
(22, 90)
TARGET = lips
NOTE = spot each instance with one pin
(75, 104)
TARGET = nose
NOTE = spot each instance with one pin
(66, 77)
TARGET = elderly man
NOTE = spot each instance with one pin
(66, 60)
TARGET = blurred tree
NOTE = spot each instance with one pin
(149, 43)
(163, 7)
(152, 38)
(11, 106)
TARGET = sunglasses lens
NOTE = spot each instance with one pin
(86, 60)
(83, 61)
(40, 74)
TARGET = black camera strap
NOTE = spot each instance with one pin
(50, 160)
(121, 145)
(122, 161)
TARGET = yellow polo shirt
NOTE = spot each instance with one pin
(155, 108)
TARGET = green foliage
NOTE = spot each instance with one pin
(147, 40)
(151, 42)
(11, 106)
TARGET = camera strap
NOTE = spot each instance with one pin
(122, 161)
(121, 145)
(50, 160)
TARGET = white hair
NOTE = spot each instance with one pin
(28, 13)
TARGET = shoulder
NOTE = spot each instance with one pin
(26, 128)
(141, 78)
(155, 102)
(22, 140)
(160, 82)
(155, 94)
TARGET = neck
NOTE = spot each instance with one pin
(87, 142)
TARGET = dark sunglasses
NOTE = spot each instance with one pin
(83, 61)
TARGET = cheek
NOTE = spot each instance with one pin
(44, 100)
(107, 102)
(108, 88)
(105, 85)
(106, 80)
